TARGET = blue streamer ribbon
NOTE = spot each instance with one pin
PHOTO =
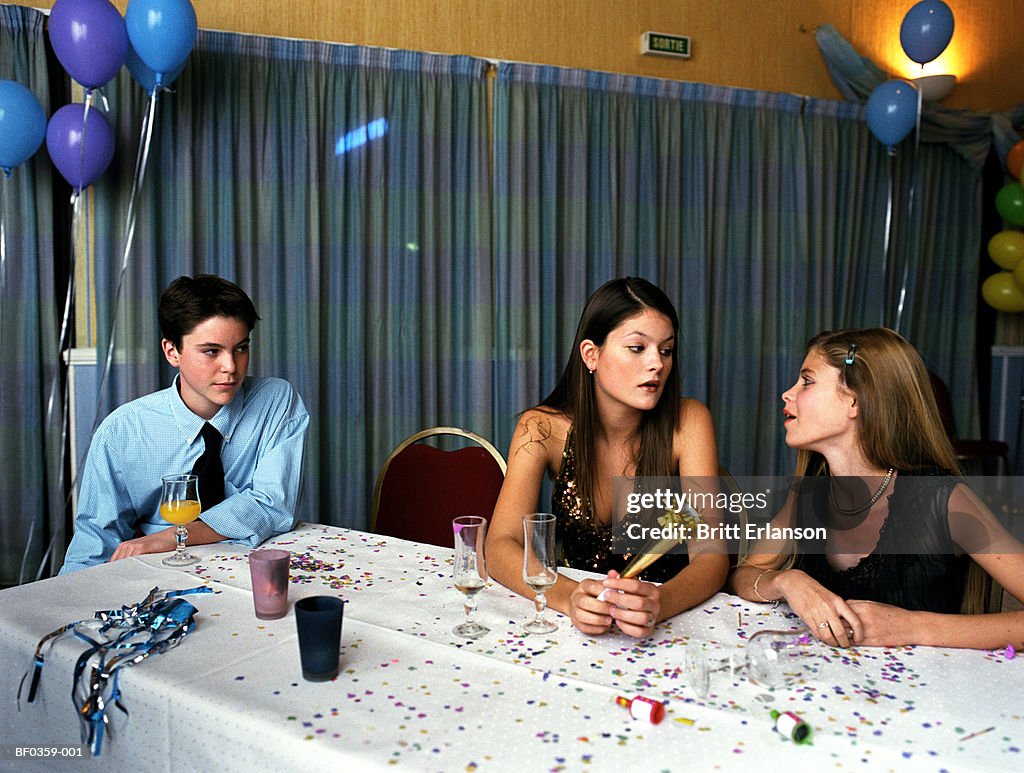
(125, 637)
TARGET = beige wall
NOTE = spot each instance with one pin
(763, 44)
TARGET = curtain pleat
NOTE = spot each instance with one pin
(32, 428)
(344, 188)
(763, 216)
(410, 274)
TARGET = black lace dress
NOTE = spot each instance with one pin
(586, 543)
(914, 563)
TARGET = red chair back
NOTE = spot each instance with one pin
(422, 488)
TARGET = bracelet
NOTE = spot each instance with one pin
(773, 602)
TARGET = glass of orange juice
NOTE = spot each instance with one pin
(179, 504)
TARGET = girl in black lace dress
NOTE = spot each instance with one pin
(901, 526)
(615, 413)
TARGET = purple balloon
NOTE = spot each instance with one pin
(80, 166)
(89, 38)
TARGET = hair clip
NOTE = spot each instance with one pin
(851, 354)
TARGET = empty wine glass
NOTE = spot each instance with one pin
(179, 504)
(770, 659)
(781, 658)
(469, 571)
(540, 565)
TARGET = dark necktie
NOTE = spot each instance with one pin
(209, 468)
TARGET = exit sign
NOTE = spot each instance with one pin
(665, 45)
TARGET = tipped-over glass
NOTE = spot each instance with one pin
(770, 659)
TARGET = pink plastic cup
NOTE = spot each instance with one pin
(269, 571)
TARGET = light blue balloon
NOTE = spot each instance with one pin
(22, 124)
(162, 32)
(146, 77)
(892, 111)
(926, 30)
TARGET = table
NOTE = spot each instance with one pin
(413, 696)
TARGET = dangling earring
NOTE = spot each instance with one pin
(590, 371)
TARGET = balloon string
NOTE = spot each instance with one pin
(103, 97)
(64, 432)
(81, 148)
(63, 341)
(910, 214)
(3, 239)
(141, 161)
(63, 346)
(887, 235)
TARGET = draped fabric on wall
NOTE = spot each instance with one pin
(346, 190)
(31, 483)
(352, 192)
(763, 216)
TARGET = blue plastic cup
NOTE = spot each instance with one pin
(318, 621)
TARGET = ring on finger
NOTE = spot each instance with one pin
(823, 624)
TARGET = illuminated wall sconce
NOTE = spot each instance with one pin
(935, 88)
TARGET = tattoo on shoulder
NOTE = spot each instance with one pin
(534, 433)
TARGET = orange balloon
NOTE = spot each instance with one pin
(1015, 159)
(1002, 292)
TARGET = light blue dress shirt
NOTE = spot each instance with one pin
(264, 429)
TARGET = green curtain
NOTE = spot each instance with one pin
(346, 189)
(763, 216)
(32, 408)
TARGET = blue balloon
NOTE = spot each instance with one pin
(162, 32)
(146, 77)
(22, 124)
(926, 30)
(892, 111)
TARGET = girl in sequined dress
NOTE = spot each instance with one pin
(615, 412)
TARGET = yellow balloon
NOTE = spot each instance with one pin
(1007, 248)
(1018, 274)
(1002, 292)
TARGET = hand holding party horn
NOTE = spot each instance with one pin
(679, 524)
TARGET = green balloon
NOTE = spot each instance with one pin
(1010, 203)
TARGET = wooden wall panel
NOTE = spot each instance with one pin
(768, 44)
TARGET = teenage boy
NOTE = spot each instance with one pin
(258, 423)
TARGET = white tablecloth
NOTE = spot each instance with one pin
(411, 694)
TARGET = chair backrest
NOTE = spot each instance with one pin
(420, 488)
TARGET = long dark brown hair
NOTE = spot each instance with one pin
(610, 305)
(899, 424)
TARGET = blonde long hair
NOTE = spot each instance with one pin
(899, 424)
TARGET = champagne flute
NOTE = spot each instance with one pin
(179, 504)
(469, 570)
(539, 566)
